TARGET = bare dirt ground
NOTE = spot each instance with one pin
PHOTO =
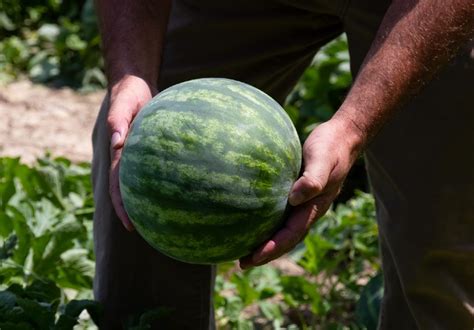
(35, 119)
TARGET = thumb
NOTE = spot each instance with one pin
(311, 183)
(118, 122)
(116, 140)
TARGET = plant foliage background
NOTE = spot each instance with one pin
(46, 256)
(51, 41)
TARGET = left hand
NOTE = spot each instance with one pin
(328, 154)
(128, 95)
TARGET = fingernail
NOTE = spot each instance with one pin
(115, 139)
(296, 198)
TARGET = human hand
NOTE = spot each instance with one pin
(127, 96)
(328, 154)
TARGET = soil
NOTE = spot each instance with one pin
(36, 119)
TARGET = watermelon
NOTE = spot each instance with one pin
(207, 168)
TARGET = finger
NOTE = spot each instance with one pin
(291, 234)
(312, 183)
(118, 128)
(114, 190)
(119, 119)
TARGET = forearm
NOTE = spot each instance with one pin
(415, 39)
(132, 37)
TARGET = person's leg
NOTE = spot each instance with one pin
(265, 43)
(421, 168)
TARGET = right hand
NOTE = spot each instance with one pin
(127, 96)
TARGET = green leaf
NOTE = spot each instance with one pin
(75, 307)
(7, 301)
(15, 51)
(65, 322)
(316, 249)
(245, 289)
(271, 310)
(41, 315)
(76, 269)
(15, 326)
(94, 77)
(6, 250)
(368, 306)
(22, 231)
(44, 291)
(298, 290)
(56, 240)
(49, 32)
(45, 69)
(6, 23)
(244, 325)
(8, 168)
(10, 272)
(35, 13)
(233, 307)
(256, 284)
(74, 42)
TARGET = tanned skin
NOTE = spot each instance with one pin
(132, 55)
(415, 39)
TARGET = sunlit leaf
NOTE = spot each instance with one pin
(368, 306)
(49, 31)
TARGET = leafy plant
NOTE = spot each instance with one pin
(340, 286)
(45, 243)
(250, 289)
(341, 253)
(51, 41)
(48, 208)
(368, 306)
(37, 306)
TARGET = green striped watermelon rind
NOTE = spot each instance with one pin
(221, 178)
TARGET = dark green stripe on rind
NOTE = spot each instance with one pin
(204, 174)
(208, 243)
(225, 232)
(210, 209)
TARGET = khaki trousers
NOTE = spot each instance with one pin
(421, 165)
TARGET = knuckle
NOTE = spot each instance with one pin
(111, 121)
(314, 184)
(117, 117)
